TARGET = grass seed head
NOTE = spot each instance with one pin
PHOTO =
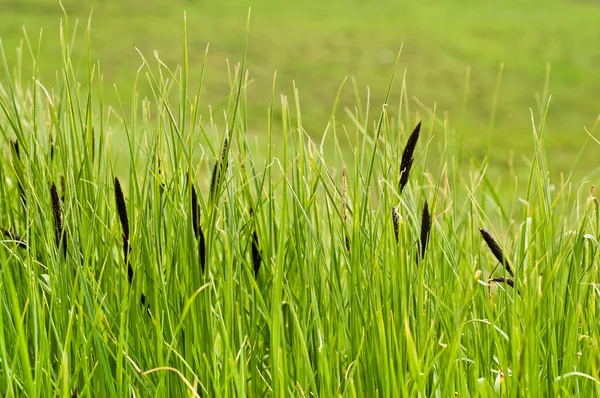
(219, 169)
(58, 221)
(198, 233)
(15, 146)
(213, 178)
(121, 208)
(195, 213)
(408, 156)
(510, 282)
(496, 250)
(425, 228)
(202, 250)
(256, 257)
(396, 222)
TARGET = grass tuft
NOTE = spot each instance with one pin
(271, 304)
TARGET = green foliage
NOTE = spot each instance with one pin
(312, 286)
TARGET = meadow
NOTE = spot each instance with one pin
(155, 246)
(481, 65)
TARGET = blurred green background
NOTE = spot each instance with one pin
(318, 43)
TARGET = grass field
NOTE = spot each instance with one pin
(149, 249)
(317, 44)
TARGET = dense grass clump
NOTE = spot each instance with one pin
(259, 273)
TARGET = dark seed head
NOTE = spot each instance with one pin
(396, 221)
(219, 169)
(214, 177)
(202, 250)
(407, 156)
(256, 257)
(58, 224)
(224, 151)
(425, 228)
(51, 148)
(500, 279)
(121, 209)
(126, 257)
(198, 233)
(195, 213)
(496, 250)
(15, 146)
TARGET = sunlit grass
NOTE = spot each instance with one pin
(306, 285)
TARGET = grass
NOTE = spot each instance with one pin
(480, 65)
(309, 285)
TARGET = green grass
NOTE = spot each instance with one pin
(317, 44)
(318, 319)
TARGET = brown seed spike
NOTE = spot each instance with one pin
(500, 279)
(219, 169)
(396, 222)
(198, 233)
(425, 228)
(121, 208)
(407, 156)
(224, 150)
(58, 223)
(15, 145)
(214, 178)
(256, 257)
(202, 250)
(52, 148)
(195, 213)
(496, 250)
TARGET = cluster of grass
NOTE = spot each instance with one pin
(198, 271)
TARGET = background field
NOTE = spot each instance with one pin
(317, 44)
